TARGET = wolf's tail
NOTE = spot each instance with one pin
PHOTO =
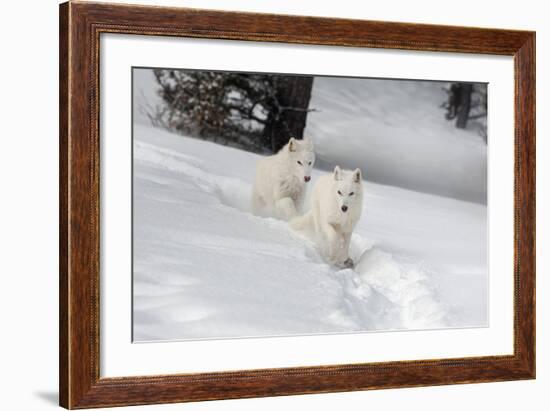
(303, 222)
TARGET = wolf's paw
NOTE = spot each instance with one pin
(346, 264)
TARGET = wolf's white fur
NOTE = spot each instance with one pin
(280, 182)
(336, 205)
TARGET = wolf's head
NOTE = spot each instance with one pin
(348, 188)
(302, 157)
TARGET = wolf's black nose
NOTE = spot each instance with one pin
(307, 178)
(344, 208)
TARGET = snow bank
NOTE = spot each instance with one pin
(393, 130)
(205, 267)
(396, 132)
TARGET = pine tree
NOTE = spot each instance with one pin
(257, 112)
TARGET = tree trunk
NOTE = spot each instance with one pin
(464, 105)
(288, 116)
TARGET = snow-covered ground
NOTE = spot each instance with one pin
(205, 267)
(395, 131)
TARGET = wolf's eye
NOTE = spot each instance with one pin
(299, 162)
(352, 193)
(309, 163)
(339, 192)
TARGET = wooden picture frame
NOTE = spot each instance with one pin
(80, 27)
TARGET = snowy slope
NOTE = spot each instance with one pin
(395, 131)
(205, 267)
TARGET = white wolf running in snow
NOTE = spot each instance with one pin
(336, 204)
(280, 182)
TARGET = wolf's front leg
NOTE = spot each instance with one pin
(285, 208)
(341, 253)
(333, 243)
(299, 203)
(345, 259)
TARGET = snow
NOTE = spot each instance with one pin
(205, 267)
(396, 133)
(394, 130)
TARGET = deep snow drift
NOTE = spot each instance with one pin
(205, 267)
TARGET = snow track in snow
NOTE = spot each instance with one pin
(205, 267)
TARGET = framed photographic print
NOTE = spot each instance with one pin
(257, 205)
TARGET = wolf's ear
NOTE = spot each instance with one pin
(337, 173)
(292, 144)
(357, 175)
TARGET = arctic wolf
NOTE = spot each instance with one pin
(336, 204)
(281, 179)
